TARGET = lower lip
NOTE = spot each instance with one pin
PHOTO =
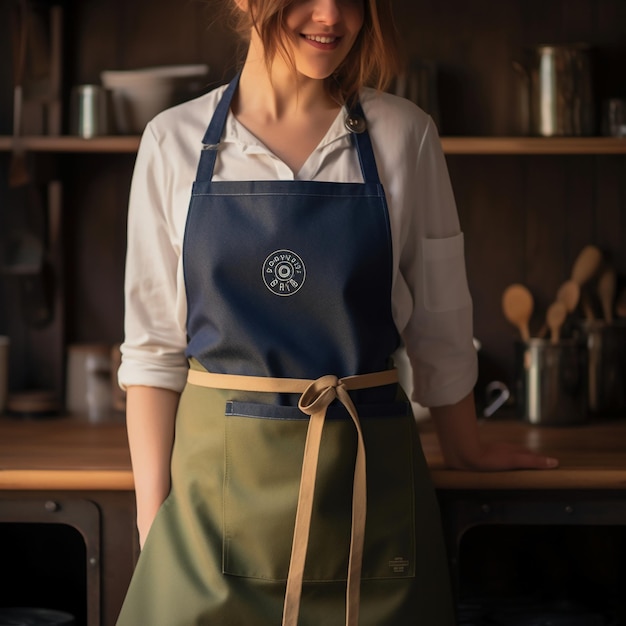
(322, 46)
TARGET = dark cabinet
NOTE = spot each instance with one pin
(68, 551)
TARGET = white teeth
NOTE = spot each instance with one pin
(320, 39)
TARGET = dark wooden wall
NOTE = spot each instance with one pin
(475, 44)
(525, 217)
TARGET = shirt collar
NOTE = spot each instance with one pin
(336, 138)
(235, 132)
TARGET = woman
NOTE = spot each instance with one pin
(288, 478)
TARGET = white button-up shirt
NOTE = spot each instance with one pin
(431, 304)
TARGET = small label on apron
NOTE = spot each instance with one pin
(398, 565)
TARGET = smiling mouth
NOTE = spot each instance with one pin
(321, 39)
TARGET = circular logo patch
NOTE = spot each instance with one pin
(283, 272)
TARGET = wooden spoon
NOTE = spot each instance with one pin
(517, 305)
(569, 294)
(587, 307)
(555, 316)
(606, 292)
(586, 264)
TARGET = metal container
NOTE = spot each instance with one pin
(552, 382)
(88, 381)
(614, 117)
(560, 90)
(90, 111)
(606, 344)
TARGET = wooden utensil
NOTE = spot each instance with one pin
(587, 306)
(555, 316)
(517, 305)
(586, 265)
(607, 283)
(569, 294)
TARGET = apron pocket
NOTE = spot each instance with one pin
(264, 447)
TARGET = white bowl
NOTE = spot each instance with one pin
(138, 95)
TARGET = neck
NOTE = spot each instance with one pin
(277, 92)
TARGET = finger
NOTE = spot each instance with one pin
(531, 460)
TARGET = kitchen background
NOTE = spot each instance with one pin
(526, 213)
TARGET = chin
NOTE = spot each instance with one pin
(316, 73)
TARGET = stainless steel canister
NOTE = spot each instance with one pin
(607, 366)
(551, 382)
(560, 90)
(90, 111)
(88, 381)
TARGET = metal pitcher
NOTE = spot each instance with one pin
(559, 90)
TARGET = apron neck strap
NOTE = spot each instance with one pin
(213, 135)
(357, 125)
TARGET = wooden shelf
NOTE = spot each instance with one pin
(66, 453)
(451, 145)
(592, 456)
(534, 145)
(112, 144)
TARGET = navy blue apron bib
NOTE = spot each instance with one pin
(288, 278)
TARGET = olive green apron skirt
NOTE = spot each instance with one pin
(219, 549)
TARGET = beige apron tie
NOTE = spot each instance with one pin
(315, 399)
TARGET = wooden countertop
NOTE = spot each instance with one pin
(69, 453)
(591, 456)
(64, 453)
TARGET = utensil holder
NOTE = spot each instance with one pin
(552, 381)
(606, 344)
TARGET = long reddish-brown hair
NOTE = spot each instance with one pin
(374, 59)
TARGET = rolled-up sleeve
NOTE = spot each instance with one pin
(435, 306)
(155, 339)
